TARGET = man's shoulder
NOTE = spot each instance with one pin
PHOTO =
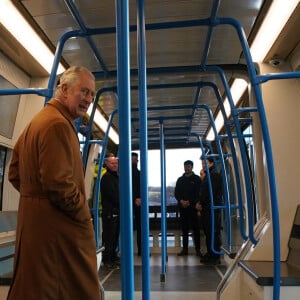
(196, 177)
(180, 178)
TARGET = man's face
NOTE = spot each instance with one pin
(134, 160)
(79, 95)
(112, 163)
(209, 164)
(188, 168)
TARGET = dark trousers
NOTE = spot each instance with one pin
(110, 237)
(137, 225)
(207, 228)
(189, 220)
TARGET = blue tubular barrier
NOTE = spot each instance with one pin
(255, 81)
(204, 156)
(246, 171)
(269, 156)
(90, 124)
(227, 205)
(144, 148)
(163, 203)
(74, 11)
(125, 181)
(213, 14)
(27, 91)
(95, 208)
(234, 159)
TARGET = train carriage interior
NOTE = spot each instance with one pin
(220, 76)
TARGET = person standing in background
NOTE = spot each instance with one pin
(204, 206)
(110, 202)
(136, 199)
(187, 194)
(55, 252)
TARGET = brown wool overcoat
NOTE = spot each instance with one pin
(55, 254)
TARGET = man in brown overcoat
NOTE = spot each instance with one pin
(55, 253)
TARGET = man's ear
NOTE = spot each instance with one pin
(64, 89)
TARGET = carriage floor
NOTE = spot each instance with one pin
(185, 277)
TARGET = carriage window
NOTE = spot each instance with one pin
(248, 133)
(2, 165)
(174, 169)
(8, 109)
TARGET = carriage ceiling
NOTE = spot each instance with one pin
(176, 47)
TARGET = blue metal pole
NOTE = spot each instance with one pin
(125, 180)
(269, 155)
(246, 171)
(144, 148)
(213, 14)
(163, 203)
(234, 159)
(98, 181)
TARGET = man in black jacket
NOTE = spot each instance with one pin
(204, 206)
(187, 194)
(110, 211)
(136, 198)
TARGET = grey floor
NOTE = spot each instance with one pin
(185, 277)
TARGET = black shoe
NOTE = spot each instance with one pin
(211, 260)
(117, 259)
(183, 252)
(111, 266)
(205, 258)
(216, 261)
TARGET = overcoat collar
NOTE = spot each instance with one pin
(62, 109)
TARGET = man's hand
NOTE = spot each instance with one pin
(185, 203)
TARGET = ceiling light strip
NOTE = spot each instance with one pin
(16, 24)
(275, 20)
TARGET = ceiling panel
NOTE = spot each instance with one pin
(174, 55)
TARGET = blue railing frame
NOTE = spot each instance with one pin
(243, 152)
(163, 202)
(125, 180)
(95, 209)
(143, 137)
(254, 79)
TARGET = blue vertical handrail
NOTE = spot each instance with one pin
(125, 180)
(234, 159)
(269, 154)
(224, 175)
(245, 166)
(98, 180)
(227, 206)
(144, 148)
(91, 121)
(204, 156)
(225, 183)
(163, 202)
(95, 209)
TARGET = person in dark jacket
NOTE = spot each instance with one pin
(204, 206)
(110, 212)
(187, 194)
(136, 199)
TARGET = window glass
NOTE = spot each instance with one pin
(175, 159)
(2, 165)
(8, 109)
